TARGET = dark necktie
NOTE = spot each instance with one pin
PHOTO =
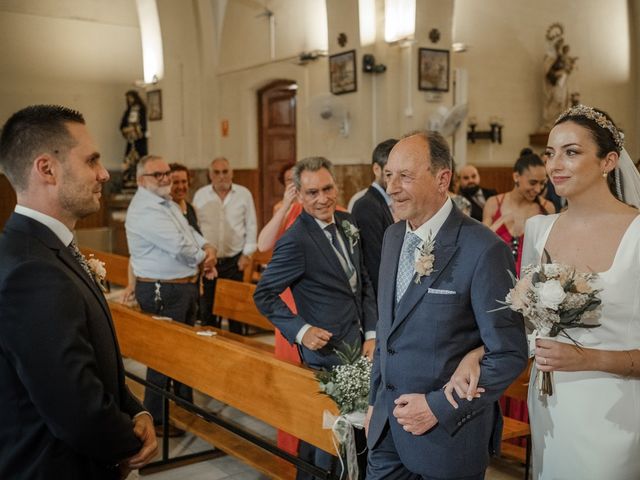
(81, 259)
(333, 231)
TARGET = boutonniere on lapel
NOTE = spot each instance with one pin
(98, 271)
(424, 260)
(352, 233)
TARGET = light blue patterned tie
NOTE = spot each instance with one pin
(406, 267)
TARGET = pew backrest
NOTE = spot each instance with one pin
(234, 300)
(246, 377)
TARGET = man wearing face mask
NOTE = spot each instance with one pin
(166, 255)
(470, 189)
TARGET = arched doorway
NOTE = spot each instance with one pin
(277, 139)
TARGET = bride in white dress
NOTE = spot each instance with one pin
(590, 427)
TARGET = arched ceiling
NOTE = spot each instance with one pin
(85, 40)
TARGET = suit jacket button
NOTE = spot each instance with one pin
(391, 351)
(391, 387)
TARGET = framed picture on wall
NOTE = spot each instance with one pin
(433, 70)
(154, 104)
(342, 72)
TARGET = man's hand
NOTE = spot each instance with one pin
(368, 347)
(243, 262)
(413, 413)
(367, 419)
(143, 429)
(128, 294)
(209, 262)
(315, 338)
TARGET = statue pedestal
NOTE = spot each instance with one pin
(539, 139)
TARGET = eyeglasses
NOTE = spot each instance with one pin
(157, 175)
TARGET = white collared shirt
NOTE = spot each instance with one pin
(56, 226)
(228, 225)
(429, 229)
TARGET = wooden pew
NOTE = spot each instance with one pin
(234, 300)
(242, 375)
(254, 270)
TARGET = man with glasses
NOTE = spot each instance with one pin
(227, 217)
(166, 256)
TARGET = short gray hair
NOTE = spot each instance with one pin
(438, 149)
(311, 164)
(143, 161)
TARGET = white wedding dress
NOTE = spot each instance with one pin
(590, 427)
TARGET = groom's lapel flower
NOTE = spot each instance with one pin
(352, 233)
(98, 271)
(424, 260)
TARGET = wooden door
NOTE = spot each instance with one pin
(277, 142)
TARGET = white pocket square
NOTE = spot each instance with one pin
(437, 291)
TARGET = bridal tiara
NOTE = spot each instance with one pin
(599, 118)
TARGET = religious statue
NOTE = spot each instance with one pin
(558, 65)
(134, 129)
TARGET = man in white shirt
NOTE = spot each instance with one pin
(228, 221)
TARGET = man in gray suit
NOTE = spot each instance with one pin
(320, 259)
(445, 272)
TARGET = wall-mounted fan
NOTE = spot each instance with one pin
(446, 121)
(327, 110)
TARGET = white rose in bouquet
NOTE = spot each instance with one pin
(551, 294)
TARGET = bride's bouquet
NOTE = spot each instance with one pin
(553, 298)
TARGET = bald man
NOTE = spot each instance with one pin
(470, 189)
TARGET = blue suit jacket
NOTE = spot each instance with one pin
(304, 260)
(65, 411)
(421, 340)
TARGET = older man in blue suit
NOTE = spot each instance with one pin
(444, 273)
(320, 259)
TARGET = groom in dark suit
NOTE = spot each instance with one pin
(445, 272)
(65, 411)
(320, 259)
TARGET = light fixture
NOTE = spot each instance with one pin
(369, 64)
(152, 56)
(399, 20)
(494, 133)
(367, 18)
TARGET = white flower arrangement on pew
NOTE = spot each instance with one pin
(553, 298)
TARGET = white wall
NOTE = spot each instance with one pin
(86, 54)
(72, 59)
(507, 47)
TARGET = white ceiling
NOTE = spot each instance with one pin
(84, 40)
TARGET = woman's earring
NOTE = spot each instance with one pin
(517, 182)
(604, 174)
